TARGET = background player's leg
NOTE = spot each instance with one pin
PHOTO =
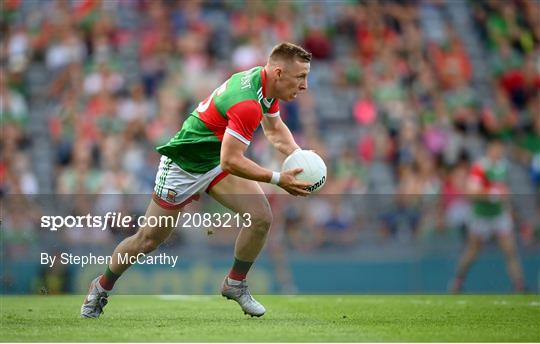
(474, 244)
(508, 246)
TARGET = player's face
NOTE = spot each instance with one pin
(292, 80)
(496, 151)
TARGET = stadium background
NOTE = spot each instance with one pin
(402, 98)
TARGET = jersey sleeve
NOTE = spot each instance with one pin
(244, 118)
(478, 175)
(273, 111)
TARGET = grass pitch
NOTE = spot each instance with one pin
(414, 318)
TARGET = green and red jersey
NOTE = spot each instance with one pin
(236, 107)
(491, 177)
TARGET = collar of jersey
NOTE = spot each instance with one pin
(266, 101)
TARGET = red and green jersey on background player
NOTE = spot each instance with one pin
(236, 107)
(491, 177)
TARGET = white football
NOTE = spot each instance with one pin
(314, 168)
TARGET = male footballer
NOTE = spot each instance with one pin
(207, 155)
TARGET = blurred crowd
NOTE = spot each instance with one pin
(393, 106)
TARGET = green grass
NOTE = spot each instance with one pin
(415, 318)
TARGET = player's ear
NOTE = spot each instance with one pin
(278, 71)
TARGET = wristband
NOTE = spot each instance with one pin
(275, 177)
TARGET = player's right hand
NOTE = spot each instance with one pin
(289, 183)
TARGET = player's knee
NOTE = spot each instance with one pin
(509, 251)
(475, 244)
(148, 243)
(261, 221)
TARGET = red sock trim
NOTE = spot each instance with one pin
(519, 286)
(237, 276)
(105, 283)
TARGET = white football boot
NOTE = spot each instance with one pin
(240, 293)
(94, 301)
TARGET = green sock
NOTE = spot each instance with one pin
(239, 270)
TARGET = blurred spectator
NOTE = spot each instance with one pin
(248, 55)
(451, 61)
(13, 108)
(349, 174)
(80, 177)
(103, 79)
(303, 235)
(336, 222)
(402, 219)
(136, 109)
(530, 151)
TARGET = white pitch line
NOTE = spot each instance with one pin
(183, 297)
(502, 303)
(421, 302)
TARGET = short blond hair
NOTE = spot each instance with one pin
(289, 51)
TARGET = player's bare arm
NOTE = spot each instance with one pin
(235, 162)
(474, 187)
(281, 138)
(279, 135)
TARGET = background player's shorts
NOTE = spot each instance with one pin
(176, 188)
(485, 227)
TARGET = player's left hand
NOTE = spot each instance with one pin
(289, 183)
